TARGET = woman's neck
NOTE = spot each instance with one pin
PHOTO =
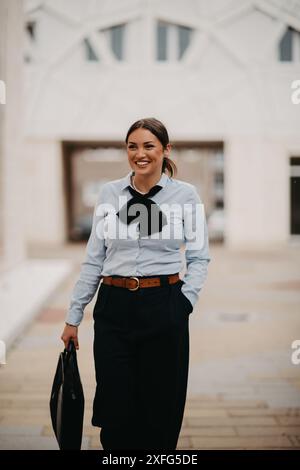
(144, 184)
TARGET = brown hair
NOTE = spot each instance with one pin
(158, 129)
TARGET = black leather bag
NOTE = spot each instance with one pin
(67, 401)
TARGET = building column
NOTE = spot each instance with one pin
(12, 237)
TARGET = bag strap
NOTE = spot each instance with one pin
(69, 351)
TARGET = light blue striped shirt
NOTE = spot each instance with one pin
(108, 254)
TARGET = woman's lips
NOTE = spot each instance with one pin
(142, 164)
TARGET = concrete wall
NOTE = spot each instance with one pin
(12, 235)
(45, 201)
(257, 191)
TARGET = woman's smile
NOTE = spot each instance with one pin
(142, 163)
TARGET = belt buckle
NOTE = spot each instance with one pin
(138, 283)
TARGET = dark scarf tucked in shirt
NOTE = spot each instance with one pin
(159, 218)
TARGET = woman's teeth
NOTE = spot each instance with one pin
(142, 163)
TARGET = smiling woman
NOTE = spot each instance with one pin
(141, 316)
(148, 152)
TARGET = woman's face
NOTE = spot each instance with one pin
(143, 146)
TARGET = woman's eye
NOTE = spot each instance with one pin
(147, 147)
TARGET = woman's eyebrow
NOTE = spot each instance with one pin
(144, 142)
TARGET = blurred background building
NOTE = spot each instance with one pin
(218, 74)
(222, 75)
(12, 163)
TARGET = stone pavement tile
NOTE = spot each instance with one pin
(20, 404)
(268, 431)
(27, 412)
(251, 443)
(9, 385)
(208, 431)
(20, 430)
(40, 394)
(277, 398)
(289, 420)
(196, 412)
(91, 431)
(241, 390)
(94, 442)
(87, 419)
(295, 440)
(236, 421)
(88, 431)
(25, 397)
(27, 443)
(293, 412)
(33, 443)
(268, 378)
(295, 383)
(228, 403)
(200, 397)
(183, 443)
(29, 420)
(205, 405)
(258, 412)
(290, 373)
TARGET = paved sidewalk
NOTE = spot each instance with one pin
(243, 392)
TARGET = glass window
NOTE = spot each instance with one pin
(295, 161)
(31, 30)
(90, 54)
(172, 41)
(117, 40)
(184, 37)
(161, 41)
(219, 178)
(289, 46)
(286, 46)
(30, 38)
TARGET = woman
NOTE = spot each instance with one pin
(141, 316)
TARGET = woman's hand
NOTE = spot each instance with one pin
(70, 332)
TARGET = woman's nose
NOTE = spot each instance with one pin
(140, 155)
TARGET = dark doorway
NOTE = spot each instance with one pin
(88, 165)
(295, 196)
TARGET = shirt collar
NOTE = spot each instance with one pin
(126, 180)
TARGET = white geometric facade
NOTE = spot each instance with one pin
(212, 71)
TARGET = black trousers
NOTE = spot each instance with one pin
(141, 353)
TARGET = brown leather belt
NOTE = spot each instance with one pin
(134, 283)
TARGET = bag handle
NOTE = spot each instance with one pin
(69, 351)
(71, 346)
